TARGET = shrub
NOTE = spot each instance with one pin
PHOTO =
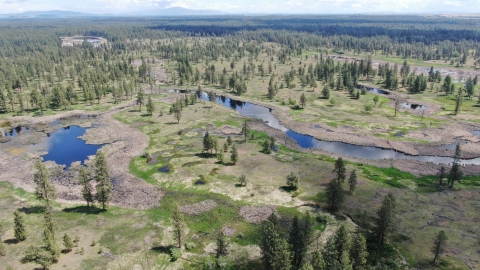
(368, 107)
(175, 254)
(243, 180)
(332, 101)
(292, 101)
(190, 245)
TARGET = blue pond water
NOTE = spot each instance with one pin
(306, 141)
(64, 146)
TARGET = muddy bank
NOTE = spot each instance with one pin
(122, 144)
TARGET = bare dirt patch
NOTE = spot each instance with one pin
(77, 40)
(229, 130)
(257, 214)
(198, 208)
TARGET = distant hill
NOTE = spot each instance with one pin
(174, 11)
(48, 14)
(179, 11)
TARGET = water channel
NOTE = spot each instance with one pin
(306, 141)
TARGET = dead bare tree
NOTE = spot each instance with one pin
(398, 101)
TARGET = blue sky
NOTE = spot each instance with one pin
(234, 6)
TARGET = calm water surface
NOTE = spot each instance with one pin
(64, 146)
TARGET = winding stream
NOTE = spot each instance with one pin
(306, 141)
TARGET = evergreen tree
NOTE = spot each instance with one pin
(222, 247)
(292, 181)
(352, 181)
(208, 142)
(456, 173)
(335, 195)
(49, 224)
(243, 180)
(50, 244)
(458, 103)
(267, 148)
(375, 100)
(102, 177)
(178, 226)
(358, 252)
(340, 170)
(245, 129)
(342, 244)
(177, 113)
(303, 100)
(234, 155)
(317, 261)
(229, 140)
(282, 259)
(384, 221)
(296, 242)
(326, 92)
(439, 245)
(225, 147)
(300, 238)
(150, 106)
(67, 243)
(44, 190)
(87, 189)
(140, 99)
(19, 226)
(330, 255)
(37, 255)
(275, 252)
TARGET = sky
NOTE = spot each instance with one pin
(246, 6)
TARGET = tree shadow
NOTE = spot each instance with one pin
(84, 210)
(171, 123)
(11, 241)
(37, 209)
(288, 188)
(205, 155)
(162, 249)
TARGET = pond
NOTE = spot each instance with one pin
(306, 141)
(374, 90)
(407, 105)
(64, 146)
